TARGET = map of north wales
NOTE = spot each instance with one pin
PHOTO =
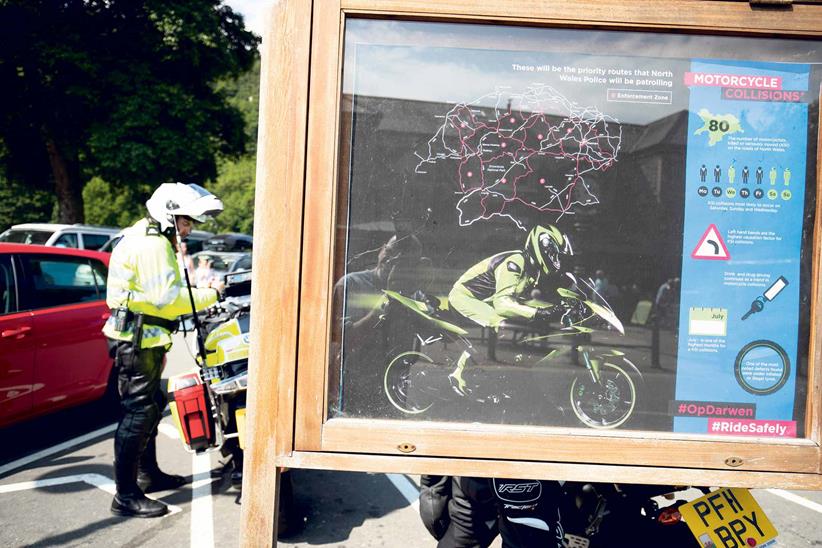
(519, 153)
(718, 126)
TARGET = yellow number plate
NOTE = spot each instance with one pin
(728, 518)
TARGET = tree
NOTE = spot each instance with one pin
(235, 179)
(106, 205)
(121, 89)
(243, 93)
(235, 187)
(21, 205)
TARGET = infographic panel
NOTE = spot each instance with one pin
(744, 212)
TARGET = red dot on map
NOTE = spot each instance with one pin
(539, 136)
(542, 181)
(470, 174)
(503, 145)
(569, 130)
(503, 180)
(513, 119)
(463, 124)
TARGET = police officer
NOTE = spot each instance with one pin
(147, 296)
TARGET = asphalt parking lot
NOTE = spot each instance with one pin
(56, 487)
(56, 484)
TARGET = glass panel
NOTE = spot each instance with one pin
(94, 241)
(100, 276)
(574, 228)
(69, 239)
(57, 281)
(8, 295)
(39, 237)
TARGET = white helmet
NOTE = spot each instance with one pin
(189, 200)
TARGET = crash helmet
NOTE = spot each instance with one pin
(179, 199)
(543, 248)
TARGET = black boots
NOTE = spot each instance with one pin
(149, 476)
(137, 505)
(133, 479)
(130, 500)
(157, 480)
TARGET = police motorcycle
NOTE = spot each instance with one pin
(648, 516)
(208, 405)
(603, 393)
(602, 515)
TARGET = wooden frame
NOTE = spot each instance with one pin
(297, 164)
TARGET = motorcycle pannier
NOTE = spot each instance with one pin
(195, 418)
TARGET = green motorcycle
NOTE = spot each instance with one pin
(603, 390)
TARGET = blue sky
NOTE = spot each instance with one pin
(252, 11)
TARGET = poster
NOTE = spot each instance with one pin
(518, 218)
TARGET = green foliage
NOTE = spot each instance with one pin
(19, 204)
(235, 187)
(243, 93)
(113, 206)
(235, 180)
(127, 90)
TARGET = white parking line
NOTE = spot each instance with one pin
(34, 457)
(406, 487)
(802, 501)
(202, 521)
(96, 480)
(169, 430)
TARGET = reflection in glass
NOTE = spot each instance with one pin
(516, 226)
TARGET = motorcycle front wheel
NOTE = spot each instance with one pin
(399, 379)
(607, 404)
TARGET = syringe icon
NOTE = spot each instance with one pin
(758, 305)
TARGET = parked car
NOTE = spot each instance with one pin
(52, 308)
(223, 262)
(231, 241)
(194, 241)
(76, 236)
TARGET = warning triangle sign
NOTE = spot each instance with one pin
(711, 246)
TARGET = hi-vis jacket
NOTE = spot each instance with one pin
(144, 275)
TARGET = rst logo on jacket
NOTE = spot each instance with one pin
(517, 491)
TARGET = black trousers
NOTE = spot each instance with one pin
(525, 513)
(460, 512)
(143, 402)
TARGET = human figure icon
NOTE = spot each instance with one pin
(786, 176)
(772, 175)
(731, 174)
(703, 173)
(745, 173)
(759, 175)
(717, 173)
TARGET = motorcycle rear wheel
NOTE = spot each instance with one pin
(607, 405)
(397, 383)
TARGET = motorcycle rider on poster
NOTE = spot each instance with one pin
(147, 295)
(495, 289)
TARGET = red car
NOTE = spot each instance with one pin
(52, 308)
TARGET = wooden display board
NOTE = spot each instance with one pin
(340, 96)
